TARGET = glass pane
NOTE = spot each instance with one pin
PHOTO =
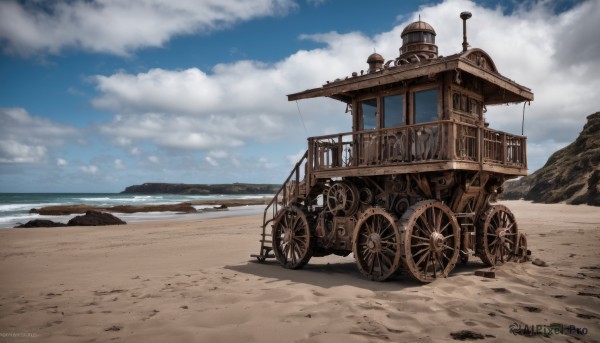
(369, 114)
(426, 105)
(428, 37)
(393, 110)
(414, 37)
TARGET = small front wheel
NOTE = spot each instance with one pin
(292, 239)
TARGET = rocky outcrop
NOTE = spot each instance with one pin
(570, 175)
(40, 223)
(91, 218)
(95, 218)
(181, 188)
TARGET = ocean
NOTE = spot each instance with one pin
(15, 207)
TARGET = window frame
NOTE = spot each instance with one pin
(402, 92)
(413, 90)
(360, 122)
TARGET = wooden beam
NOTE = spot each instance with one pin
(523, 93)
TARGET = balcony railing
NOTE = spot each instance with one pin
(439, 141)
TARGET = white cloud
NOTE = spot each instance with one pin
(316, 3)
(211, 161)
(25, 138)
(61, 162)
(120, 27)
(90, 169)
(135, 151)
(218, 153)
(119, 164)
(154, 159)
(553, 54)
(293, 159)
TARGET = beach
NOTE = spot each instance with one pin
(194, 281)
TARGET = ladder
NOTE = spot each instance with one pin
(292, 191)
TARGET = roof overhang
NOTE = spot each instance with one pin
(497, 88)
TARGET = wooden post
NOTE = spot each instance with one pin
(340, 160)
(504, 149)
(452, 127)
(309, 163)
(480, 144)
(524, 151)
(297, 185)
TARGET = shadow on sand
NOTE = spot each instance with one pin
(342, 273)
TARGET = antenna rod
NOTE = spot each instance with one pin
(464, 16)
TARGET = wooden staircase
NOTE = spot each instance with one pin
(293, 190)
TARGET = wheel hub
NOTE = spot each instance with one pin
(287, 236)
(374, 242)
(436, 241)
(501, 233)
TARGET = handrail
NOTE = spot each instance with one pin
(445, 140)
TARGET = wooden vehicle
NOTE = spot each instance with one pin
(412, 188)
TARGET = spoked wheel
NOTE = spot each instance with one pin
(292, 239)
(342, 198)
(376, 244)
(497, 235)
(431, 240)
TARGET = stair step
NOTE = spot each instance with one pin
(265, 256)
(265, 241)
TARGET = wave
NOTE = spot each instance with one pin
(24, 207)
(94, 199)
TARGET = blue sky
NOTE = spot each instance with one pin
(99, 95)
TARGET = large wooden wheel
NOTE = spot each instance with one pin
(376, 244)
(292, 239)
(497, 235)
(431, 240)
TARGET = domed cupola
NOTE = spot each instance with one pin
(375, 62)
(418, 42)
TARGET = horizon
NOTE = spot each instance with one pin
(94, 102)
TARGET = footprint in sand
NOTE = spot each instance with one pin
(102, 293)
(114, 328)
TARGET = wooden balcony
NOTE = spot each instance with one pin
(443, 145)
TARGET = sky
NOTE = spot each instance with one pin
(97, 95)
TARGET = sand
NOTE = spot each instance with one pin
(187, 281)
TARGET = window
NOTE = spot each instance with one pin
(428, 37)
(393, 110)
(368, 109)
(411, 37)
(426, 105)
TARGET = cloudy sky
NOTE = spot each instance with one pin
(97, 95)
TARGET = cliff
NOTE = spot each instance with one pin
(570, 175)
(180, 188)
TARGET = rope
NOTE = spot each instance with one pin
(301, 118)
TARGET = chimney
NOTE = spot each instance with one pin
(464, 16)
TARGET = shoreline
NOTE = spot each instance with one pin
(194, 208)
(162, 216)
